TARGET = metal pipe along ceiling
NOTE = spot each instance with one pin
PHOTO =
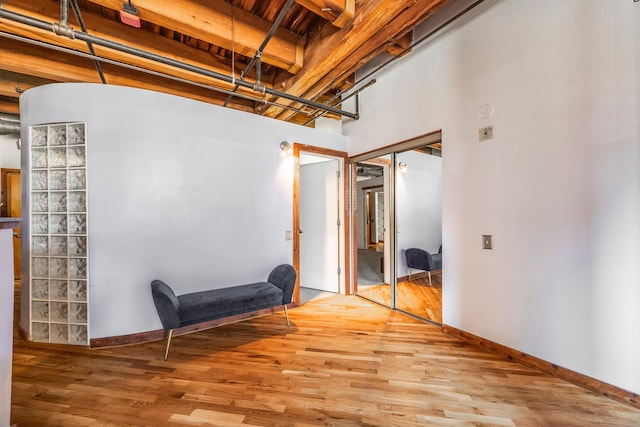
(258, 54)
(88, 38)
(9, 127)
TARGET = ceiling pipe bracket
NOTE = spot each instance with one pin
(63, 30)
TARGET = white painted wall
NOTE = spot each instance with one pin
(9, 153)
(558, 187)
(418, 205)
(196, 195)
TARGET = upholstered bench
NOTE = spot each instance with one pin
(199, 307)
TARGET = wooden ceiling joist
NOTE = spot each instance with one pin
(338, 12)
(128, 36)
(222, 24)
(8, 106)
(401, 46)
(332, 54)
(25, 58)
(13, 84)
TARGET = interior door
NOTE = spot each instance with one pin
(319, 228)
(11, 184)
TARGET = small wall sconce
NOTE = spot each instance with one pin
(286, 147)
(402, 166)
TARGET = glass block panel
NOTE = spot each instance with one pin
(40, 311)
(39, 202)
(39, 180)
(57, 157)
(75, 134)
(58, 267)
(77, 312)
(77, 224)
(57, 202)
(59, 333)
(40, 224)
(40, 245)
(77, 334)
(58, 240)
(58, 246)
(58, 311)
(58, 135)
(58, 180)
(39, 136)
(39, 158)
(78, 268)
(59, 290)
(40, 332)
(78, 245)
(76, 156)
(40, 267)
(40, 289)
(77, 201)
(77, 290)
(77, 179)
(58, 224)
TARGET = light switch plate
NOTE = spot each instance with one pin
(486, 241)
(287, 235)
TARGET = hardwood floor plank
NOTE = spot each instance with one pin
(343, 362)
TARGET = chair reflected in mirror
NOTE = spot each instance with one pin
(419, 259)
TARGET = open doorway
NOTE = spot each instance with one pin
(319, 221)
(10, 206)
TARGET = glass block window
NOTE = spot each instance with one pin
(58, 234)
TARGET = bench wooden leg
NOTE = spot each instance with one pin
(286, 313)
(166, 352)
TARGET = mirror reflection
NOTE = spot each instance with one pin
(373, 279)
(418, 208)
(399, 230)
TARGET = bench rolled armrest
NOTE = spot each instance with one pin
(167, 304)
(284, 277)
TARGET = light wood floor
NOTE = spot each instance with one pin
(343, 362)
(415, 296)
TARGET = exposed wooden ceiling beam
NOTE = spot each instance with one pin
(334, 53)
(143, 40)
(224, 25)
(400, 46)
(9, 106)
(13, 84)
(24, 58)
(338, 12)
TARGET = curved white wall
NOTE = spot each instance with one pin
(558, 187)
(196, 195)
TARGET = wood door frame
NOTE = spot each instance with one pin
(3, 189)
(297, 148)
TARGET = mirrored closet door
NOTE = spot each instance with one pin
(398, 227)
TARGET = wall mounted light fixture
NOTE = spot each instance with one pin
(402, 166)
(286, 147)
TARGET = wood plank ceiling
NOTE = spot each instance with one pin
(312, 55)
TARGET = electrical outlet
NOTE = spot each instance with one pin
(486, 241)
(485, 133)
